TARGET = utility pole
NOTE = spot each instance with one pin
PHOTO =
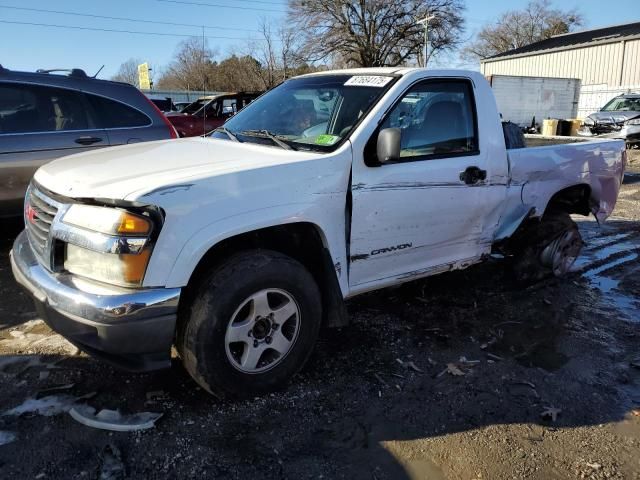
(425, 21)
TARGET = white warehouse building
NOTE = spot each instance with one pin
(605, 60)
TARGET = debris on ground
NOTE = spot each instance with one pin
(409, 365)
(156, 396)
(380, 379)
(56, 388)
(26, 361)
(47, 406)
(113, 420)
(6, 437)
(112, 467)
(551, 412)
(452, 369)
(29, 336)
(459, 368)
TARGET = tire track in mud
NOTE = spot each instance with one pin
(606, 261)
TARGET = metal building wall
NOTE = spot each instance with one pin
(631, 73)
(612, 64)
(539, 97)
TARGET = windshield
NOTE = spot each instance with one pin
(309, 113)
(623, 104)
(195, 106)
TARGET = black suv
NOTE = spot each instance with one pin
(44, 116)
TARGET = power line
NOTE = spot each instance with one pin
(75, 27)
(274, 4)
(40, 10)
(217, 5)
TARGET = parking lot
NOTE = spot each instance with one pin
(458, 376)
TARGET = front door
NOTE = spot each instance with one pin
(426, 211)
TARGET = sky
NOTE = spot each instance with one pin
(26, 44)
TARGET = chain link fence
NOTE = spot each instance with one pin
(178, 95)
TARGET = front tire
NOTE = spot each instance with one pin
(251, 325)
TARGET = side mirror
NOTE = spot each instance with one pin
(388, 148)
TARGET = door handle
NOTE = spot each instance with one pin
(88, 140)
(473, 175)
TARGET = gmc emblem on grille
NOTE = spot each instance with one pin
(30, 213)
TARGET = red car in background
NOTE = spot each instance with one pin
(208, 113)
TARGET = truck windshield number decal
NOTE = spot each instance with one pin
(367, 81)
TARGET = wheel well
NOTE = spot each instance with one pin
(575, 199)
(301, 241)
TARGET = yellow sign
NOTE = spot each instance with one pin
(143, 76)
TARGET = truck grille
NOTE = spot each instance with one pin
(39, 215)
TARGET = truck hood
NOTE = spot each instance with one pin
(130, 171)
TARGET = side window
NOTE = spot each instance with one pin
(211, 109)
(32, 109)
(436, 118)
(229, 105)
(112, 114)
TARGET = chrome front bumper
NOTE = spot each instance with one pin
(133, 329)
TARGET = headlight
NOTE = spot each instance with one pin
(107, 220)
(589, 122)
(109, 245)
(117, 269)
(633, 121)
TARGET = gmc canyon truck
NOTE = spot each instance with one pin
(237, 247)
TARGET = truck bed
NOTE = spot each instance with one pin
(553, 165)
(533, 140)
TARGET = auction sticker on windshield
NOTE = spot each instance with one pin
(368, 81)
(327, 139)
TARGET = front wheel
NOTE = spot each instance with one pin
(252, 324)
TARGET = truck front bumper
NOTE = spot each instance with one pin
(132, 329)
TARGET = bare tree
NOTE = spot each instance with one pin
(277, 52)
(517, 28)
(192, 67)
(128, 72)
(372, 33)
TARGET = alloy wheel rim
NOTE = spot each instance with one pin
(561, 254)
(262, 331)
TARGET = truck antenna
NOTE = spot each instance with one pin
(98, 71)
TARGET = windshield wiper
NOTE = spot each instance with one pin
(269, 135)
(229, 133)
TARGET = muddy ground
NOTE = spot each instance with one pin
(361, 409)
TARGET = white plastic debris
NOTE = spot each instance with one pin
(113, 420)
(6, 437)
(47, 406)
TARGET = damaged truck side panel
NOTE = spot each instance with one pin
(545, 171)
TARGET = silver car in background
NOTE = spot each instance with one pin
(619, 119)
(44, 116)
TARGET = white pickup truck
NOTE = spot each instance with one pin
(237, 247)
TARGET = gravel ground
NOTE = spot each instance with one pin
(461, 376)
